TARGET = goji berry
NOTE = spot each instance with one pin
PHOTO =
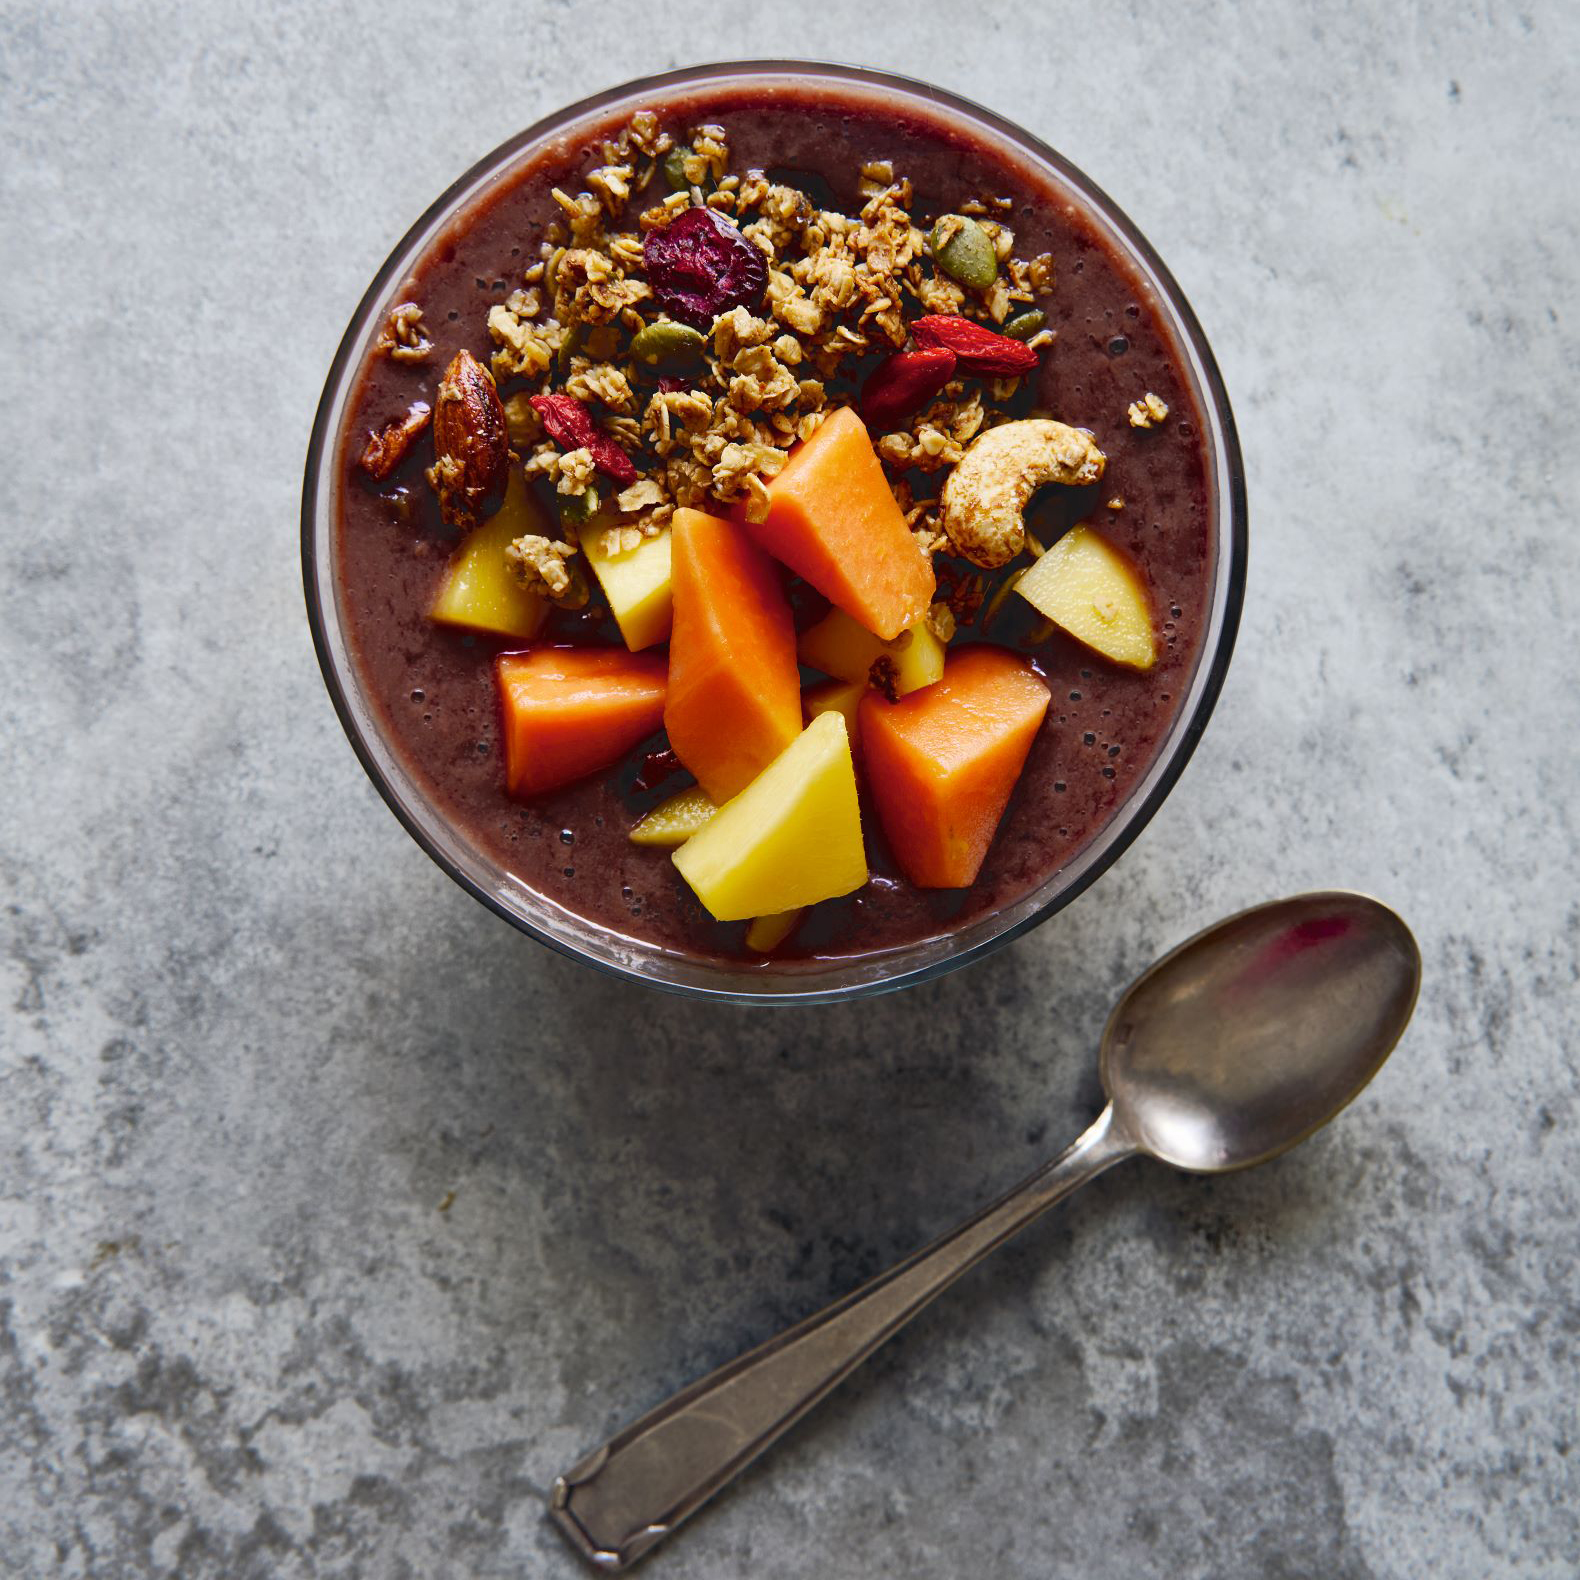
(978, 349)
(570, 425)
(904, 383)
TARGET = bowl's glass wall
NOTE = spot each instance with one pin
(772, 980)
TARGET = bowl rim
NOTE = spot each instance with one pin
(744, 982)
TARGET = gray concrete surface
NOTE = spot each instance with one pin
(254, 1044)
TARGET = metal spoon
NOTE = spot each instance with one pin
(1225, 1053)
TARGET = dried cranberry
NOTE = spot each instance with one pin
(656, 768)
(670, 384)
(700, 265)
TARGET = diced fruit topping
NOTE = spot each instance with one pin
(569, 711)
(734, 687)
(833, 520)
(700, 265)
(903, 384)
(943, 762)
(635, 582)
(766, 933)
(918, 658)
(386, 449)
(840, 696)
(986, 495)
(791, 838)
(839, 646)
(979, 350)
(478, 589)
(674, 820)
(570, 425)
(470, 445)
(1090, 589)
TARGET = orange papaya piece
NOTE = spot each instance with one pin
(833, 520)
(570, 711)
(943, 762)
(734, 685)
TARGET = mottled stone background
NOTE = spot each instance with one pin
(254, 1043)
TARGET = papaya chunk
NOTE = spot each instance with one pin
(734, 686)
(833, 520)
(570, 711)
(943, 762)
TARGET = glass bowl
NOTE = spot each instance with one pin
(774, 981)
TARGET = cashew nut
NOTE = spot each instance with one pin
(990, 487)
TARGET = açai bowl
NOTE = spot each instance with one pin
(774, 531)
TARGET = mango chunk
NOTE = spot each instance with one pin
(1090, 589)
(674, 820)
(918, 659)
(833, 520)
(844, 697)
(841, 647)
(766, 933)
(792, 837)
(478, 591)
(635, 585)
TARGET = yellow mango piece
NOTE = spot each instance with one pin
(1093, 591)
(673, 821)
(841, 647)
(635, 585)
(792, 837)
(843, 696)
(768, 932)
(918, 659)
(478, 590)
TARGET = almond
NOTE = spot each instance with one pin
(386, 449)
(471, 444)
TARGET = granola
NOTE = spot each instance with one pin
(404, 338)
(1147, 412)
(708, 416)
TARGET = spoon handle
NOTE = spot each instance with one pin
(631, 1493)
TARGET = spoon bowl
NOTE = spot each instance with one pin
(1238, 1044)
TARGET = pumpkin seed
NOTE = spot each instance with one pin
(1024, 325)
(675, 170)
(578, 508)
(667, 342)
(571, 345)
(963, 250)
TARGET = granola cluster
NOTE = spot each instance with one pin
(708, 419)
